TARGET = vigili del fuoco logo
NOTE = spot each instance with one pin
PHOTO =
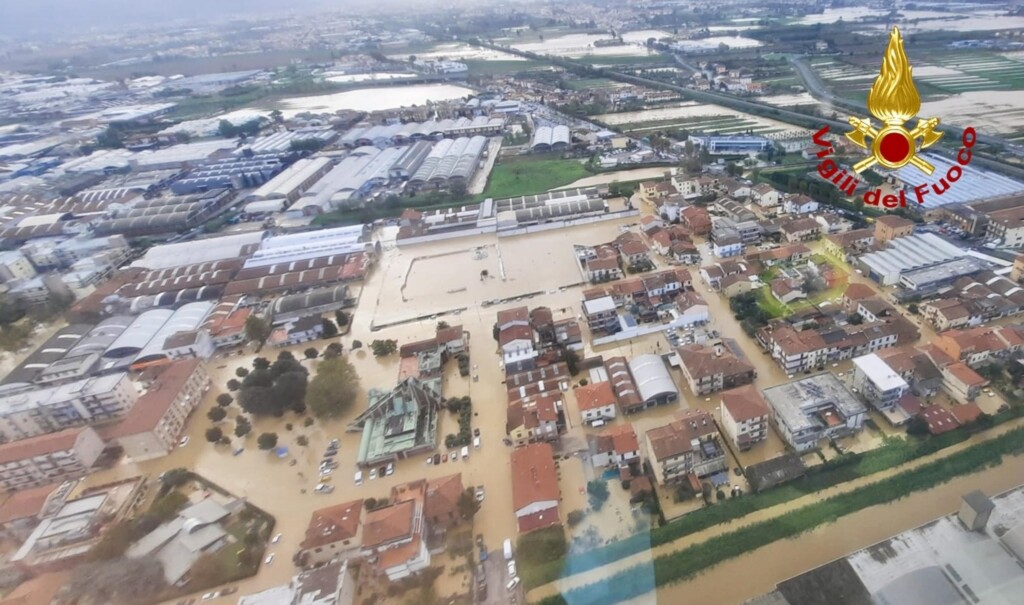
(893, 100)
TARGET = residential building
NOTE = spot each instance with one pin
(1007, 225)
(330, 584)
(727, 246)
(602, 315)
(878, 383)
(14, 267)
(818, 407)
(688, 445)
(981, 345)
(961, 382)
(603, 269)
(696, 219)
(800, 229)
(848, 244)
(765, 195)
(28, 413)
(334, 532)
(153, 426)
(533, 419)
(517, 348)
(298, 331)
(890, 226)
(713, 368)
(596, 402)
(615, 446)
(441, 509)
(394, 537)
(535, 492)
(799, 204)
(519, 316)
(744, 414)
(49, 458)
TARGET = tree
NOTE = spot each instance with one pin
(574, 518)
(495, 331)
(111, 138)
(213, 434)
(242, 427)
(241, 372)
(308, 422)
(176, 477)
(467, 504)
(117, 581)
(341, 318)
(441, 325)
(224, 400)
(261, 363)
(458, 189)
(216, 414)
(277, 116)
(856, 319)
(383, 348)
(334, 388)
(302, 441)
(330, 330)
(597, 491)
(270, 389)
(311, 353)
(705, 491)
(333, 350)
(357, 344)
(913, 308)
(234, 385)
(917, 427)
(572, 361)
(267, 441)
(257, 328)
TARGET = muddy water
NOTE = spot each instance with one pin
(619, 175)
(762, 569)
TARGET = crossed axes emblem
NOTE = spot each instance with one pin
(924, 130)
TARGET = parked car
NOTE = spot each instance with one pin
(512, 569)
(335, 443)
(276, 539)
(437, 458)
(269, 559)
(476, 432)
(373, 474)
(183, 442)
(389, 469)
(359, 477)
(210, 595)
(480, 494)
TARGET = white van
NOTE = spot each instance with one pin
(512, 584)
(359, 477)
(465, 451)
(507, 549)
(597, 423)
(476, 442)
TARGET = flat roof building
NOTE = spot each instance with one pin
(814, 408)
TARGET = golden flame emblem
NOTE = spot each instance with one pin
(893, 100)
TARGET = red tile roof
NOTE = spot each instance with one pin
(533, 475)
(515, 332)
(939, 419)
(744, 403)
(151, 407)
(443, 496)
(593, 396)
(25, 503)
(509, 315)
(389, 523)
(333, 524)
(40, 445)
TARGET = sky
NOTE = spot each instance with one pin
(20, 16)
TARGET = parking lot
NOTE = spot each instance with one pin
(495, 570)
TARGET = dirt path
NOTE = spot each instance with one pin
(646, 557)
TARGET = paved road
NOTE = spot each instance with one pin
(496, 572)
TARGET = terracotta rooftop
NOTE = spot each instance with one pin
(676, 437)
(624, 438)
(25, 503)
(701, 361)
(939, 419)
(857, 291)
(894, 222)
(389, 523)
(145, 415)
(509, 315)
(443, 496)
(966, 375)
(333, 524)
(40, 445)
(593, 396)
(533, 475)
(516, 332)
(744, 403)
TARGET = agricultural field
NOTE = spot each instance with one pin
(529, 174)
(696, 117)
(969, 71)
(593, 84)
(853, 81)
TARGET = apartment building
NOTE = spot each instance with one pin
(744, 414)
(688, 445)
(49, 458)
(152, 428)
(29, 413)
(708, 369)
(878, 383)
(809, 410)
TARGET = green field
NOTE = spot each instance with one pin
(591, 84)
(529, 174)
(479, 67)
(978, 70)
(623, 59)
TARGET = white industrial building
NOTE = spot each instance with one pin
(292, 182)
(975, 183)
(281, 142)
(909, 253)
(448, 161)
(304, 246)
(653, 380)
(143, 342)
(392, 134)
(550, 138)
